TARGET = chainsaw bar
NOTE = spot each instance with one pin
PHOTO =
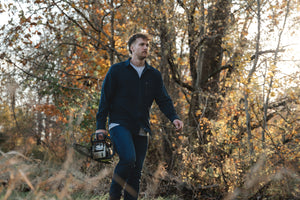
(86, 151)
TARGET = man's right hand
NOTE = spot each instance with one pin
(100, 134)
(101, 131)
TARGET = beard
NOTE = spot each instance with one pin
(143, 56)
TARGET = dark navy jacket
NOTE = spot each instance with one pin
(126, 99)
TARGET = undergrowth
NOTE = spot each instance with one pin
(22, 177)
(26, 177)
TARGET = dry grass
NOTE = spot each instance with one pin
(39, 180)
(268, 182)
(22, 177)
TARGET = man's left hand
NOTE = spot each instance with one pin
(178, 124)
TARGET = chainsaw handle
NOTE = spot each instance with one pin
(95, 137)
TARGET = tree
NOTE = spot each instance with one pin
(219, 65)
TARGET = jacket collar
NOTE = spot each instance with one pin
(127, 63)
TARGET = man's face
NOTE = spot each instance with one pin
(140, 48)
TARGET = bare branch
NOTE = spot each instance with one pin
(267, 51)
(176, 76)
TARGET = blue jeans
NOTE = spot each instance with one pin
(132, 151)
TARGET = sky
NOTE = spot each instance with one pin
(3, 18)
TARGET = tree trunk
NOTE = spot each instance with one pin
(167, 43)
(39, 121)
(206, 81)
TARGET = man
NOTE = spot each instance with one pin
(127, 94)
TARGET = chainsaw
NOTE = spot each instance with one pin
(100, 149)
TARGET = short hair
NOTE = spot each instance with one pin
(135, 36)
